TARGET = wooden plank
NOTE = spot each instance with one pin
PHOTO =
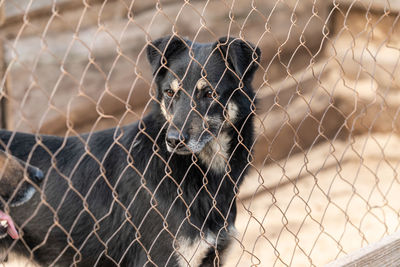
(374, 5)
(294, 80)
(15, 10)
(131, 45)
(385, 252)
(293, 113)
(18, 8)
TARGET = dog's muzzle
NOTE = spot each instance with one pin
(176, 142)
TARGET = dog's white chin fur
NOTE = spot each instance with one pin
(192, 147)
(181, 152)
(212, 152)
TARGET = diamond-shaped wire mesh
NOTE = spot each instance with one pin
(322, 179)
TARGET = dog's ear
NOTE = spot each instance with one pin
(161, 49)
(243, 57)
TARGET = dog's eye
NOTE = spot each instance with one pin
(209, 94)
(169, 92)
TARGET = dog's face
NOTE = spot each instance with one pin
(202, 89)
(17, 179)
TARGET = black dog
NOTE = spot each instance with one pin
(160, 192)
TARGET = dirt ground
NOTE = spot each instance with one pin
(315, 207)
(318, 205)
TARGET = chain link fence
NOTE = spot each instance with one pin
(323, 180)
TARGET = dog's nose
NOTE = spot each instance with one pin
(35, 174)
(176, 139)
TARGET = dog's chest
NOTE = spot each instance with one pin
(215, 154)
(192, 252)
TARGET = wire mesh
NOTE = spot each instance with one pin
(322, 178)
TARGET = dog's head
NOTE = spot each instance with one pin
(202, 88)
(17, 179)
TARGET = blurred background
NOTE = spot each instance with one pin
(324, 180)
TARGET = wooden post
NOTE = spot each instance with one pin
(3, 83)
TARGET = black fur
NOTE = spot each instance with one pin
(118, 196)
(14, 187)
(18, 183)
